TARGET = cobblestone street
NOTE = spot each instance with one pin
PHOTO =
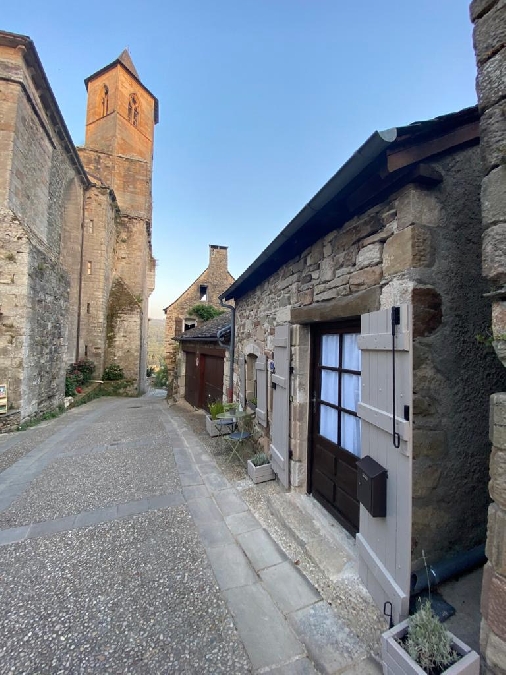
(124, 549)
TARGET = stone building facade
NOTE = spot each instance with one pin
(489, 18)
(399, 228)
(206, 289)
(68, 288)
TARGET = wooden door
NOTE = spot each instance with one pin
(384, 544)
(280, 427)
(191, 380)
(335, 427)
(213, 380)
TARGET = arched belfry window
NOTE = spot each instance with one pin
(105, 100)
(133, 110)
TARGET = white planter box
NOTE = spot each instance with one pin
(259, 474)
(396, 661)
(213, 430)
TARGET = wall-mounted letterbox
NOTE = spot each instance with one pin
(372, 486)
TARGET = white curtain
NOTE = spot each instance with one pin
(328, 423)
(350, 391)
(350, 433)
(330, 351)
(351, 352)
(329, 391)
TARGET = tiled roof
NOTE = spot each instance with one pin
(208, 331)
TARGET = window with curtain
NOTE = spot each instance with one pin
(340, 390)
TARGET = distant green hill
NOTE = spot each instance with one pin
(156, 342)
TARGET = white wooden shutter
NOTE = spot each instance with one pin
(281, 405)
(261, 377)
(384, 544)
(242, 381)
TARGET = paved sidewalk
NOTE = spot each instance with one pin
(123, 549)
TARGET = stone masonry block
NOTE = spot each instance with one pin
(417, 206)
(494, 254)
(479, 7)
(493, 197)
(496, 539)
(426, 478)
(497, 410)
(490, 32)
(497, 485)
(297, 474)
(497, 606)
(491, 81)
(499, 318)
(411, 247)
(370, 255)
(493, 136)
(494, 653)
(366, 278)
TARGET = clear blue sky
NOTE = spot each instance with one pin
(261, 101)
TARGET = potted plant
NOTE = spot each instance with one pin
(215, 408)
(421, 645)
(260, 469)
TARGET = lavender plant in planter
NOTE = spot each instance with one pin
(422, 646)
(260, 469)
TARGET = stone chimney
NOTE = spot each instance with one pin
(218, 259)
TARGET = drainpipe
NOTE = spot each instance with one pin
(230, 392)
(447, 568)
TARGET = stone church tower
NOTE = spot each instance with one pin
(119, 268)
(76, 267)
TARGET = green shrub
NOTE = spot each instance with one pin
(86, 368)
(161, 378)
(113, 372)
(215, 409)
(70, 385)
(204, 312)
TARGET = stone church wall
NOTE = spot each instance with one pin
(421, 247)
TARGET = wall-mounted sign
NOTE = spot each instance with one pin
(3, 399)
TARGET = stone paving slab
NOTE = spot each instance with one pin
(264, 632)
(204, 510)
(231, 567)
(299, 667)
(288, 587)
(215, 534)
(261, 549)
(229, 502)
(330, 643)
(239, 523)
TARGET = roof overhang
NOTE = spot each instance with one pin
(386, 161)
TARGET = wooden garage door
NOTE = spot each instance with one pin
(191, 382)
(335, 431)
(213, 379)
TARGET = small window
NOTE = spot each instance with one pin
(105, 100)
(133, 110)
(89, 267)
(251, 379)
(88, 308)
(90, 227)
(86, 350)
(189, 323)
(203, 293)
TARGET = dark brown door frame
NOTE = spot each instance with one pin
(348, 325)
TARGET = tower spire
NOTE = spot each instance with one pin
(126, 60)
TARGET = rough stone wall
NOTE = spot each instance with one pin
(217, 279)
(99, 248)
(423, 248)
(124, 319)
(38, 207)
(489, 18)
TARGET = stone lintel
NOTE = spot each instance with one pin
(350, 305)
